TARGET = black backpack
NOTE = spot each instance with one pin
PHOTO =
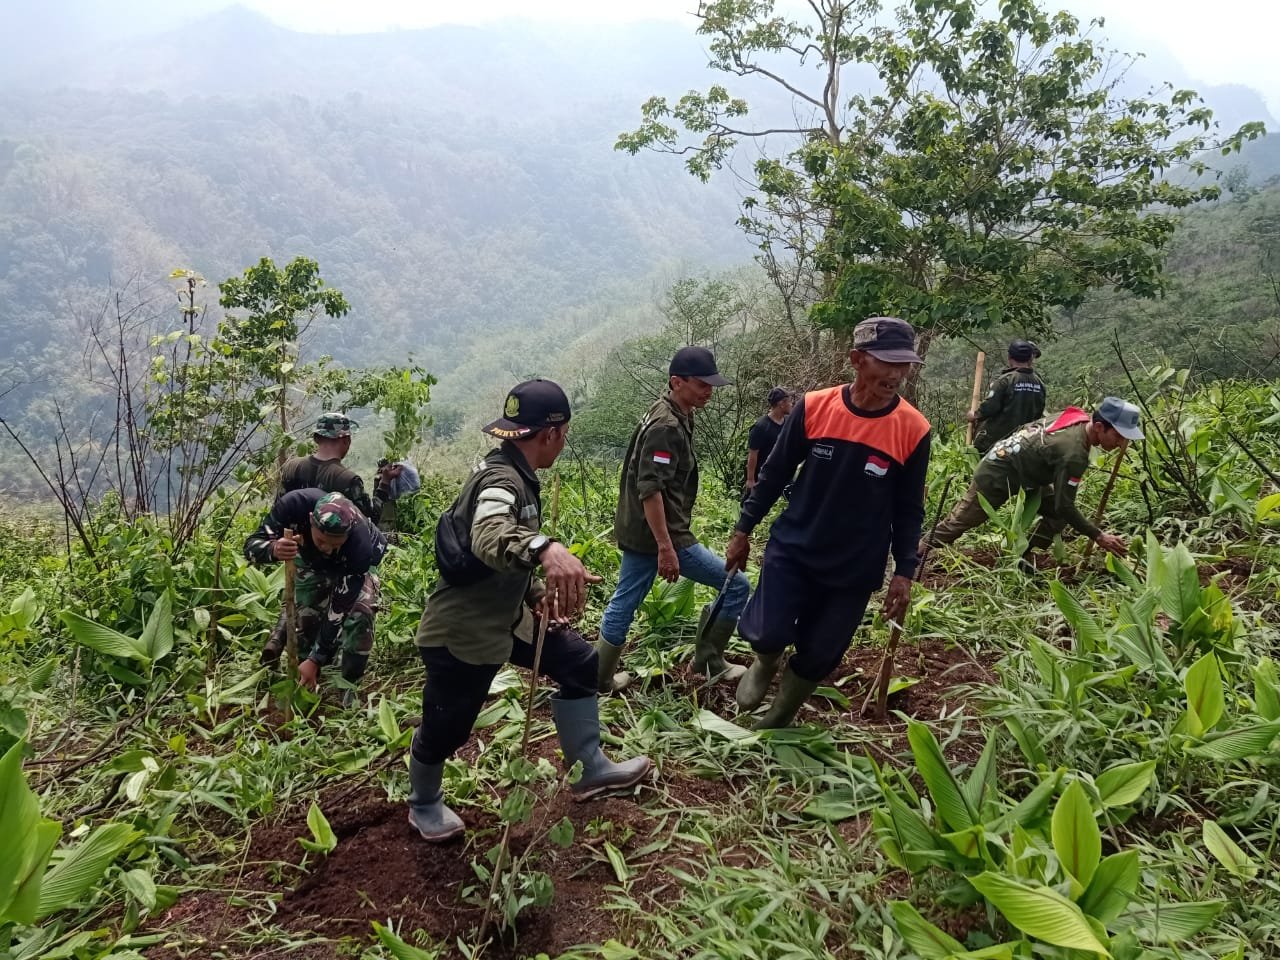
(457, 564)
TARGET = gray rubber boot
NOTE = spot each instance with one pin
(708, 652)
(610, 679)
(578, 726)
(793, 691)
(755, 682)
(428, 814)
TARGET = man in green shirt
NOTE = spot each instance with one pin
(485, 609)
(652, 524)
(1048, 458)
(1016, 397)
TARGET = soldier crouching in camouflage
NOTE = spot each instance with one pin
(335, 547)
(325, 471)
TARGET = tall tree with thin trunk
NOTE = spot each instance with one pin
(956, 169)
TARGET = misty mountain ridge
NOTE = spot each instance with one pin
(459, 184)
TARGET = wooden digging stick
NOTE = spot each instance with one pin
(1106, 495)
(895, 635)
(539, 640)
(500, 865)
(291, 628)
(978, 370)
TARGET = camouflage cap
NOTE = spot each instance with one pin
(334, 514)
(334, 425)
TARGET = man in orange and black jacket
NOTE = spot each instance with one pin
(863, 452)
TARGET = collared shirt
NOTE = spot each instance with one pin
(501, 503)
(1016, 397)
(660, 459)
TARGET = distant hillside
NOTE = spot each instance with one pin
(459, 185)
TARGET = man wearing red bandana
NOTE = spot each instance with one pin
(1046, 458)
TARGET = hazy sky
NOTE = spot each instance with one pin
(1228, 41)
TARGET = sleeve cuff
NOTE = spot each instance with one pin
(647, 488)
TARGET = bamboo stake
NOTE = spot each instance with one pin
(500, 865)
(291, 623)
(895, 635)
(555, 504)
(978, 370)
(549, 610)
(1106, 495)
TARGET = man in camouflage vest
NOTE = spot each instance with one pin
(1046, 458)
(1016, 397)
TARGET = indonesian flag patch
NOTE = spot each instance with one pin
(1073, 482)
(877, 465)
(662, 456)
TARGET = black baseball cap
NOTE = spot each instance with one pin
(1023, 350)
(530, 406)
(699, 363)
(776, 396)
(888, 339)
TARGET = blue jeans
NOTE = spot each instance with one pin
(636, 577)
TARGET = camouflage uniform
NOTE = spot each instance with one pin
(331, 476)
(1048, 458)
(336, 595)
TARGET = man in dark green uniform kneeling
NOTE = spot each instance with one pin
(1016, 397)
(1048, 458)
(485, 610)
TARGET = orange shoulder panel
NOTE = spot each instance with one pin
(897, 435)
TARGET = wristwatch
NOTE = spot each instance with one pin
(537, 545)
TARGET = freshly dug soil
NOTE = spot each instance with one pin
(382, 870)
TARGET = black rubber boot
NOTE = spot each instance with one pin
(274, 647)
(755, 682)
(610, 679)
(578, 726)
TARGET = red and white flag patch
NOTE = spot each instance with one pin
(662, 456)
(1073, 482)
(877, 465)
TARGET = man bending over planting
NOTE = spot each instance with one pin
(863, 452)
(335, 547)
(1046, 458)
(486, 609)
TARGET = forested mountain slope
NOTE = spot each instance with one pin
(458, 185)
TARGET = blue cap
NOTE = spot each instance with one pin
(1123, 416)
